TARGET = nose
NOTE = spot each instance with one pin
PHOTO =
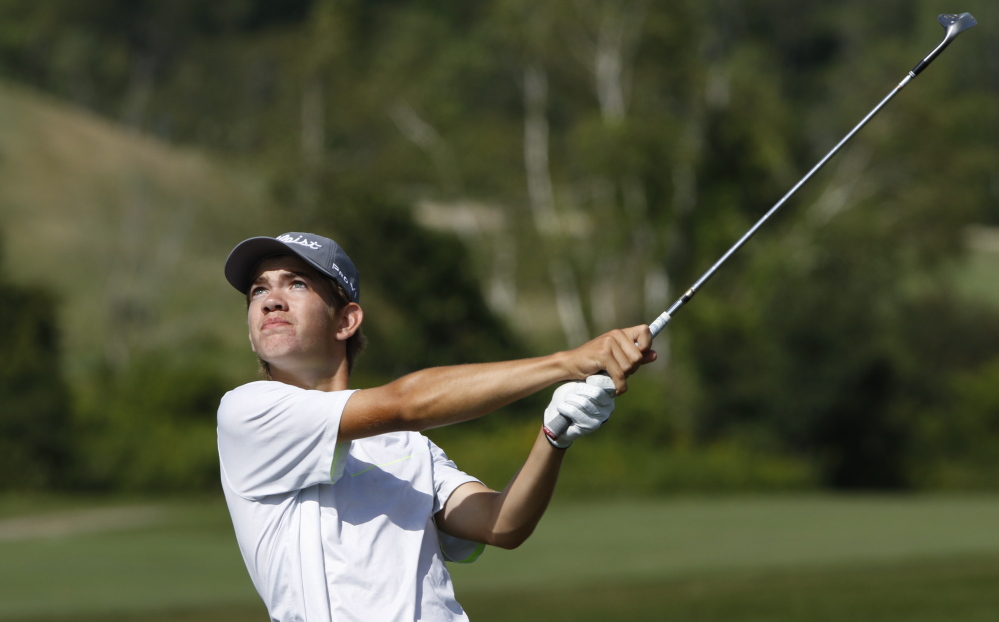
(274, 302)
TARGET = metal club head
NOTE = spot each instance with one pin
(955, 23)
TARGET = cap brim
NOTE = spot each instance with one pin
(244, 258)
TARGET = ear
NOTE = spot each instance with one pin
(350, 321)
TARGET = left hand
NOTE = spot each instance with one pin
(618, 354)
(586, 404)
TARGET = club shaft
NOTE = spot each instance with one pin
(558, 427)
(955, 24)
(660, 322)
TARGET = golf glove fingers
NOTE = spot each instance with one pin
(586, 404)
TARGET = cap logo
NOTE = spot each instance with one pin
(287, 239)
(344, 278)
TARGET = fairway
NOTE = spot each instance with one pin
(731, 558)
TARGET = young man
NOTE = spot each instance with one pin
(342, 510)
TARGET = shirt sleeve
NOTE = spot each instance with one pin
(447, 478)
(275, 438)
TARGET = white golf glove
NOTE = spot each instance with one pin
(585, 404)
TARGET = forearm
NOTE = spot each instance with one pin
(505, 519)
(523, 502)
(445, 395)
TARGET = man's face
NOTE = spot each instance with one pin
(290, 323)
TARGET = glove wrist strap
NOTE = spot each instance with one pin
(551, 438)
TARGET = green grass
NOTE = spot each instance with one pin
(180, 556)
(958, 588)
(727, 558)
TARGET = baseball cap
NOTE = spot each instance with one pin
(321, 253)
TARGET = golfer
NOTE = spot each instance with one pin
(341, 508)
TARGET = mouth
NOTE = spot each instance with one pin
(274, 322)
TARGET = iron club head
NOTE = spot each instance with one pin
(955, 24)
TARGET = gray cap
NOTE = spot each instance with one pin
(321, 253)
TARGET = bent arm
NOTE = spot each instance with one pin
(505, 519)
(445, 395)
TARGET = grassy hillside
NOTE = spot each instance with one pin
(130, 233)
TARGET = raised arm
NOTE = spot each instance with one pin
(445, 395)
(506, 519)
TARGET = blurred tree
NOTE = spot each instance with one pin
(115, 56)
(592, 156)
(34, 399)
(951, 393)
(958, 442)
(422, 300)
(151, 426)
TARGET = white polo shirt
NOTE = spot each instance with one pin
(334, 531)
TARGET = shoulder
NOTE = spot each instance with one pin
(254, 395)
(253, 390)
(265, 400)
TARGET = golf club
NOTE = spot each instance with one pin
(954, 24)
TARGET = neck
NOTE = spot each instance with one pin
(335, 379)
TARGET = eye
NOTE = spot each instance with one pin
(257, 291)
(299, 284)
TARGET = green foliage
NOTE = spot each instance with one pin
(35, 438)
(661, 133)
(426, 308)
(620, 467)
(150, 427)
(612, 465)
(839, 375)
(959, 440)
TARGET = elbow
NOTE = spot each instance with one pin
(408, 409)
(399, 412)
(510, 545)
(410, 420)
(510, 540)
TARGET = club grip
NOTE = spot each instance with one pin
(557, 426)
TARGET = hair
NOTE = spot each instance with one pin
(337, 300)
